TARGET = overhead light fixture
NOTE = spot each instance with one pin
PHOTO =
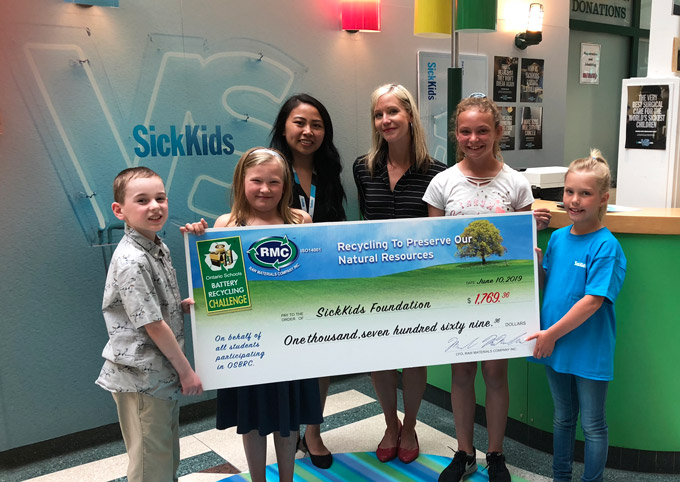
(360, 15)
(534, 33)
(432, 18)
(476, 16)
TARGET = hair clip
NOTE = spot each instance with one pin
(477, 95)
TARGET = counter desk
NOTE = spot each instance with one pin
(643, 398)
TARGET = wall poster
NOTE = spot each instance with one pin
(432, 92)
(505, 79)
(590, 63)
(508, 119)
(531, 82)
(531, 131)
(646, 116)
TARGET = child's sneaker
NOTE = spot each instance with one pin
(498, 472)
(462, 465)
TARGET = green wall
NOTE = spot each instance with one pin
(643, 398)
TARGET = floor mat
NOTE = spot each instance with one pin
(365, 467)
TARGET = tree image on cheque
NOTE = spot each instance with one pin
(481, 239)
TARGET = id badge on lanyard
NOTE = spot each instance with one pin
(312, 194)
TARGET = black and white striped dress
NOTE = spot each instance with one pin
(378, 201)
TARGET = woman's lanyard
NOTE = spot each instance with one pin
(312, 194)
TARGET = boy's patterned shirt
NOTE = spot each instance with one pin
(141, 288)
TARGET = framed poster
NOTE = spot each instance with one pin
(647, 108)
(508, 119)
(531, 82)
(590, 64)
(531, 128)
(505, 79)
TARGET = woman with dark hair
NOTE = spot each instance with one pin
(303, 132)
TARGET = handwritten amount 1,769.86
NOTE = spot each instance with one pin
(493, 297)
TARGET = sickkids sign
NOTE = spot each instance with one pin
(189, 117)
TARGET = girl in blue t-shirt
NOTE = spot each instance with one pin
(583, 270)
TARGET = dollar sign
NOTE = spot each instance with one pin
(468, 301)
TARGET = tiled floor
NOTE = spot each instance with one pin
(353, 423)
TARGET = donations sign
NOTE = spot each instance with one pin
(300, 301)
(613, 12)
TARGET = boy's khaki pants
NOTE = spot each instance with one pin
(150, 428)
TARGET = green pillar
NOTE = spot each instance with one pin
(454, 95)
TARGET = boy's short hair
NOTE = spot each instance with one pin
(127, 175)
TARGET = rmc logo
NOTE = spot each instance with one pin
(273, 252)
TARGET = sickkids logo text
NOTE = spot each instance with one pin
(194, 140)
(274, 253)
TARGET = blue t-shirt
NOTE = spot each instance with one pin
(575, 266)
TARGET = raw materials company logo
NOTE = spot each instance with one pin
(274, 252)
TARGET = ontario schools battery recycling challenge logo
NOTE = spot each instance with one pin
(273, 253)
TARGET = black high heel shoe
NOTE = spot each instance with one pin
(321, 461)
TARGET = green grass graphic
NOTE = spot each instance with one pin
(453, 283)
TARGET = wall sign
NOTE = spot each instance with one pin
(646, 116)
(508, 116)
(590, 64)
(505, 79)
(531, 132)
(612, 12)
(531, 82)
(432, 92)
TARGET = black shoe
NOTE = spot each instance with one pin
(320, 461)
(498, 472)
(461, 466)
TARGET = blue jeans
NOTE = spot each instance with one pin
(571, 392)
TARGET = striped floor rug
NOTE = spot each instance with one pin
(365, 467)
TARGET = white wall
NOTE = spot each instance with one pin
(651, 177)
(51, 329)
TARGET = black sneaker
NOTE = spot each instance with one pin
(461, 466)
(498, 472)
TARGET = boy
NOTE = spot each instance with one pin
(145, 366)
